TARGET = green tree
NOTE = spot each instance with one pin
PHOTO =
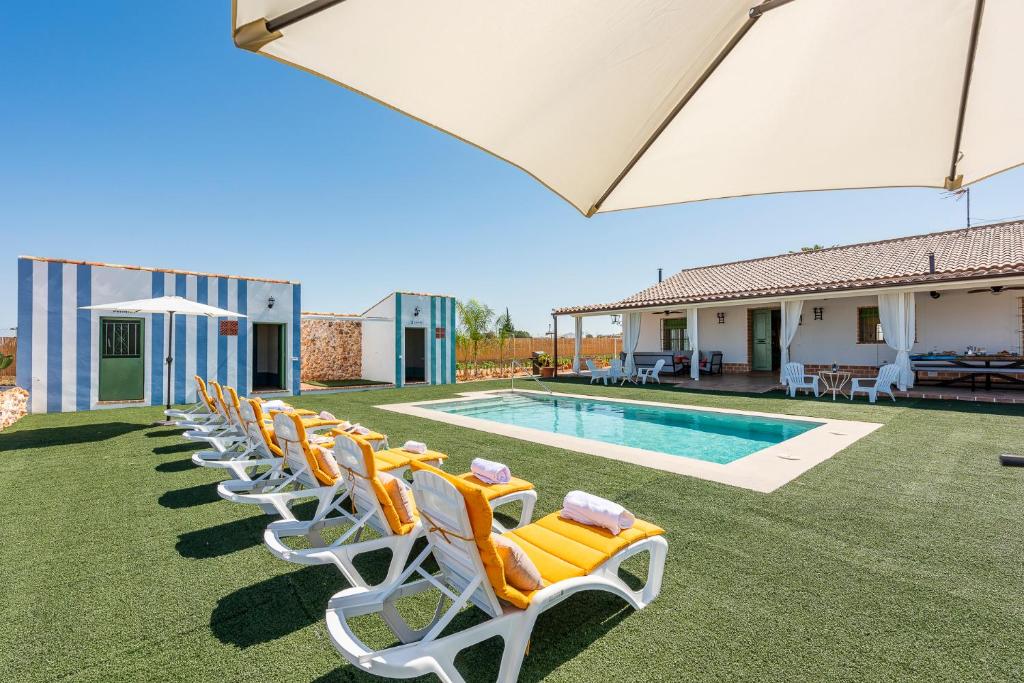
(504, 330)
(474, 323)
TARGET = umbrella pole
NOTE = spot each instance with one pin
(167, 422)
(170, 358)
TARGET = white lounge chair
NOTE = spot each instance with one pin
(597, 373)
(571, 558)
(373, 510)
(199, 412)
(794, 377)
(300, 477)
(887, 377)
(643, 374)
(223, 435)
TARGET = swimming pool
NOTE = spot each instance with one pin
(716, 437)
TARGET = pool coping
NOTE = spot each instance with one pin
(765, 470)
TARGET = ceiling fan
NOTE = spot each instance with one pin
(995, 289)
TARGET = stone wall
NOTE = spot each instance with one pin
(13, 406)
(332, 349)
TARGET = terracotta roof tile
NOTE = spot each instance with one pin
(983, 251)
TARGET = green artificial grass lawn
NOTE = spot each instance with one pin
(898, 559)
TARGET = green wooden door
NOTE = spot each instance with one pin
(762, 322)
(122, 366)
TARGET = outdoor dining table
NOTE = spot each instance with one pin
(1006, 367)
(834, 382)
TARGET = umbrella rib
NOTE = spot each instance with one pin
(300, 13)
(952, 181)
(755, 13)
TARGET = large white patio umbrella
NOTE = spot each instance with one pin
(171, 305)
(617, 104)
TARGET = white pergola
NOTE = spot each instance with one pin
(896, 309)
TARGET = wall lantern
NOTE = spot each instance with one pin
(416, 312)
(270, 302)
(934, 295)
(616, 319)
(721, 317)
(819, 313)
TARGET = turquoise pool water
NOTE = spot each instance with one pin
(699, 434)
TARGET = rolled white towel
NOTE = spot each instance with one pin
(417, 447)
(587, 508)
(358, 429)
(344, 426)
(276, 404)
(318, 438)
(490, 472)
(324, 415)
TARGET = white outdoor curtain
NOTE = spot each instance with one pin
(616, 104)
(692, 333)
(578, 350)
(630, 338)
(897, 314)
(790, 320)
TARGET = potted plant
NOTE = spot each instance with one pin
(546, 368)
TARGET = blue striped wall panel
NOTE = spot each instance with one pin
(83, 338)
(54, 336)
(23, 370)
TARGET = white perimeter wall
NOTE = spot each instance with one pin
(379, 342)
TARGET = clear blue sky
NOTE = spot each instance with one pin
(134, 132)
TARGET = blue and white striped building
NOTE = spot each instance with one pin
(59, 344)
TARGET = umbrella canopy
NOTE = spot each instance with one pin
(617, 104)
(171, 306)
(177, 305)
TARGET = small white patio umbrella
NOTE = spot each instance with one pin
(171, 305)
(617, 104)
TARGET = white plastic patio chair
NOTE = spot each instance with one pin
(372, 511)
(615, 371)
(597, 373)
(794, 377)
(458, 526)
(887, 377)
(643, 374)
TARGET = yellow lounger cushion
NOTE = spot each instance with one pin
(399, 458)
(387, 506)
(492, 491)
(562, 549)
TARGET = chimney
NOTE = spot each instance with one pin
(931, 261)
(659, 274)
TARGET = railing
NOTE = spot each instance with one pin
(531, 376)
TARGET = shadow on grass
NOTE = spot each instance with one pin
(47, 437)
(560, 634)
(177, 431)
(222, 539)
(176, 448)
(175, 466)
(200, 494)
(274, 608)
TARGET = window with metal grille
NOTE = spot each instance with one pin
(673, 335)
(121, 338)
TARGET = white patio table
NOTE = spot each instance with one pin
(834, 382)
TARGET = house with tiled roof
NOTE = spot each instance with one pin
(910, 300)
